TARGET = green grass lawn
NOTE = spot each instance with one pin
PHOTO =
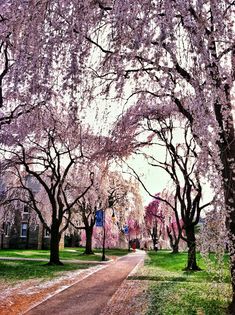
(65, 254)
(13, 271)
(173, 291)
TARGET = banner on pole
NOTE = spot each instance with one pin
(126, 229)
(99, 218)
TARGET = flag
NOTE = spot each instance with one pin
(99, 216)
(126, 229)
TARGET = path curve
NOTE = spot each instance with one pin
(90, 296)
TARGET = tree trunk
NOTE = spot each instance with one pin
(191, 242)
(175, 248)
(227, 158)
(155, 238)
(174, 241)
(89, 232)
(54, 245)
(226, 145)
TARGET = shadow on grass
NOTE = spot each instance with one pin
(158, 278)
(186, 277)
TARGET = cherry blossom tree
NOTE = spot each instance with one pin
(173, 229)
(181, 162)
(42, 163)
(181, 55)
(160, 221)
(112, 233)
(154, 220)
(176, 54)
(108, 193)
(134, 229)
(122, 207)
(88, 206)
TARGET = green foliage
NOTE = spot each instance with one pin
(174, 291)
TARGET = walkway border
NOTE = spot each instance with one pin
(64, 288)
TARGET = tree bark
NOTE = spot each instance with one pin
(155, 238)
(54, 245)
(191, 242)
(175, 248)
(2, 238)
(174, 241)
(89, 232)
(227, 157)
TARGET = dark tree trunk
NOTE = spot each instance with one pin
(2, 238)
(89, 232)
(175, 248)
(226, 145)
(54, 245)
(191, 242)
(174, 240)
(231, 230)
(229, 193)
(155, 238)
(2, 235)
(227, 154)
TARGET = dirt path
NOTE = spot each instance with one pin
(90, 296)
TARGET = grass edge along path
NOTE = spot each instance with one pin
(65, 254)
(172, 291)
(15, 271)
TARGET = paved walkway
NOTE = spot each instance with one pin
(90, 296)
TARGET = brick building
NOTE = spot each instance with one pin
(24, 232)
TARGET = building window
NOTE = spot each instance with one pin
(24, 228)
(7, 229)
(46, 233)
(26, 209)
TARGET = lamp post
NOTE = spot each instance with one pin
(104, 233)
(110, 203)
(104, 236)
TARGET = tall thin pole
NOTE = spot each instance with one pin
(129, 245)
(104, 235)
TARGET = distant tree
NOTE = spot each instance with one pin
(154, 221)
(109, 191)
(173, 230)
(181, 163)
(112, 232)
(174, 235)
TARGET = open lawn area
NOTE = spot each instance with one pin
(173, 291)
(65, 254)
(12, 271)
